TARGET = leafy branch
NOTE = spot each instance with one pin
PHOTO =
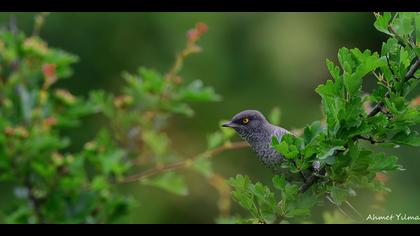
(378, 108)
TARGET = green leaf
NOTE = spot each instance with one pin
(412, 139)
(279, 182)
(380, 162)
(289, 146)
(334, 70)
(417, 27)
(266, 201)
(367, 62)
(346, 60)
(99, 183)
(288, 151)
(180, 108)
(356, 65)
(240, 182)
(62, 60)
(196, 92)
(170, 181)
(360, 160)
(215, 140)
(151, 80)
(329, 152)
(382, 22)
(391, 46)
(288, 191)
(332, 104)
(158, 142)
(112, 162)
(203, 165)
(338, 194)
(46, 171)
(404, 24)
(404, 61)
(311, 132)
(242, 194)
(256, 198)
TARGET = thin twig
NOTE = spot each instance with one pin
(370, 139)
(338, 207)
(311, 180)
(193, 36)
(182, 164)
(354, 209)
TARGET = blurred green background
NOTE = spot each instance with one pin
(254, 60)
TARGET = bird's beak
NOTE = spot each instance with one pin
(229, 124)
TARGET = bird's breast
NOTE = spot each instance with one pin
(267, 154)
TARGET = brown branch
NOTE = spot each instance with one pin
(182, 164)
(378, 107)
(152, 172)
(309, 182)
(410, 74)
(370, 139)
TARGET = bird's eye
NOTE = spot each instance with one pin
(245, 120)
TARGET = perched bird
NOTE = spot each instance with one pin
(254, 128)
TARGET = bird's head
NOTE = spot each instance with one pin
(248, 122)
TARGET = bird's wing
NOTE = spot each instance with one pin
(279, 132)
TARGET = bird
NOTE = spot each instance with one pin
(253, 127)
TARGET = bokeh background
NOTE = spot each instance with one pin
(254, 60)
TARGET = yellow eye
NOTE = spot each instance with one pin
(245, 120)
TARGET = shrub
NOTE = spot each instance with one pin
(56, 185)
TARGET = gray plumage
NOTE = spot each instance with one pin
(254, 128)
